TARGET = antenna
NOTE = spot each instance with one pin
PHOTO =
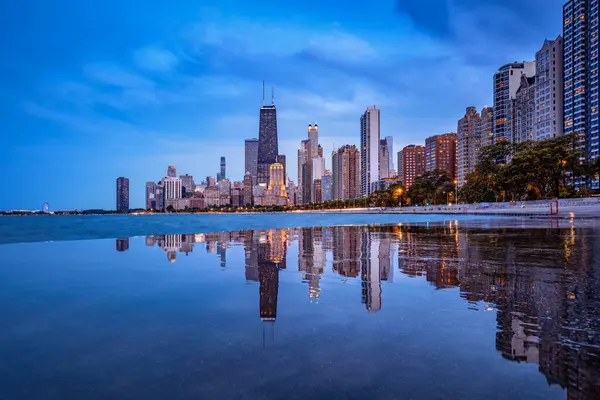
(273, 95)
(263, 103)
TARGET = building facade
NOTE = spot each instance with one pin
(247, 192)
(187, 185)
(122, 194)
(549, 90)
(468, 143)
(440, 153)
(346, 173)
(268, 148)
(400, 165)
(524, 110)
(390, 146)
(172, 171)
(276, 193)
(151, 196)
(581, 33)
(369, 149)
(251, 158)
(223, 168)
(413, 158)
(506, 83)
(384, 159)
(327, 186)
(486, 127)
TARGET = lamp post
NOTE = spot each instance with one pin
(455, 191)
(399, 191)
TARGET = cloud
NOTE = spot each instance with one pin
(155, 59)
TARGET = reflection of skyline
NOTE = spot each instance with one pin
(545, 295)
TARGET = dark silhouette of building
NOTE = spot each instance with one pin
(122, 194)
(267, 140)
(223, 174)
(123, 244)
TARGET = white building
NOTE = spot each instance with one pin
(506, 83)
(369, 149)
(549, 90)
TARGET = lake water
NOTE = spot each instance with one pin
(502, 309)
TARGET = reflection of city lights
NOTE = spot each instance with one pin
(571, 296)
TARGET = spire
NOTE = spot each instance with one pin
(263, 103)
(273, 95)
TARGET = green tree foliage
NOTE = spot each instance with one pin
(432, 187)
(535, 170)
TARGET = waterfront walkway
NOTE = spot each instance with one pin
(567, 208)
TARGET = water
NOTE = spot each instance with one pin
(458, 309)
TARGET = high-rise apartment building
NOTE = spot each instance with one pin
(524, 110)
(318, 170)
(440, 153)
(413, 158)
(317, 191)
(173, 189)
(172, 171)
(549, 90)
(384, 159)
(276, 193)
(468, 143)
(400, 164)
(369, 149)
(581, 32)
(346, 173)
(327, 186)
(304, 172)
(251, 158)
(122, 194)
(506, 83)
(267, 140)
(223, 174)
(313, 136)
(486, 127)
(247, 191)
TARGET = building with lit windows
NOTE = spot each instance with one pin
(369, 149)
(468, 143)
(413, 158)
(549, 89)
(440, 153)
(524, 110)
(346, 173)
(506, 83)
(581, 84)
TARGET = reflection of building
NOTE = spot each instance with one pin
(123, 244)
(370, 273)
(346, 251)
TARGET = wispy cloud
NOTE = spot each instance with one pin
(157, 59)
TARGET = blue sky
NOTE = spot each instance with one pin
(90, 91)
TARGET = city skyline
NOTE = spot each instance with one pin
(167, 95)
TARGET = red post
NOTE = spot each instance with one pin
(553, 202)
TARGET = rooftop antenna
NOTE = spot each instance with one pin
(263, 103)
(272, 95)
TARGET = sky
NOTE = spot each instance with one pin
(90, 91)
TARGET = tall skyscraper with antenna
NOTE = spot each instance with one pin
(267, 138)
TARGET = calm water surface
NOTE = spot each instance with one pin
(409, 311)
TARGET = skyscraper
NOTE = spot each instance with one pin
(486, 127)
(369, 149)
(400, 171)
(251, 160)
(247, 191)
(318, 169)
(150, 195)
(413, 158)
(276, 193)
(549, 90)
(384, 159)
(172, 171)
(223, 174)
(440, 153)
(506, 83)
(524, 110)
(390, 146)
(468, 143)
(280, 159)
(313, 136)
(346, 173)
(187, 186)
(581, 33)
(327, 186)
(122, 194)
(267, 139)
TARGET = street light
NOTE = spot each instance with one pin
(456, 191)
(399, 191)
